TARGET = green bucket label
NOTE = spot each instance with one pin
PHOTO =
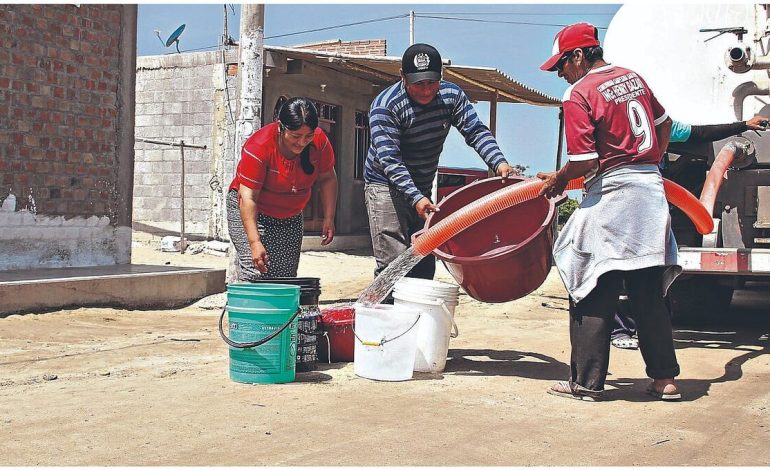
(276, 356)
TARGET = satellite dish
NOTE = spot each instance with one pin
(174, 38)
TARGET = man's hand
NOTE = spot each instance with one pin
(424, 207)
(327, 232)
(505, 170)
(552, 184)
(758, 123)
(259, 256)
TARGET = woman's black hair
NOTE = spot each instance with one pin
(295, 113)
(278, 105)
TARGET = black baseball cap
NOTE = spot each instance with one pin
(421, 62)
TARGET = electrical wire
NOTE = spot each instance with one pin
(477, 20)
(193, 50)
(421, 15)
(338, 26)
(507, 13)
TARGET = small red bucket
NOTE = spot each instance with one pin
(337, 322)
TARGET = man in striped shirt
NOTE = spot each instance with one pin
(409, 124)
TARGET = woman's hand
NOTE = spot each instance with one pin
(259, 256)
(327, 232)
(328, 185)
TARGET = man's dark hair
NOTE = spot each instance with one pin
(593, 53)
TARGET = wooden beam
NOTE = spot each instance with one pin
(493, 115)
(561, 137)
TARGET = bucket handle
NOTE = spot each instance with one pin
(455, 331)
(253, 344)
(384, 340)
(442, 303)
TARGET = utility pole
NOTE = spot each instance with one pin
(251, 48)
(411, 27)
(250, 71)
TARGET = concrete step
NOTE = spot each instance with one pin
(132, 286)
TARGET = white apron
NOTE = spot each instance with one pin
(622, 224)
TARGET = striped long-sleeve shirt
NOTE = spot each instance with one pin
(407, 138)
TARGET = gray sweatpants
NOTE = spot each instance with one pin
(392, 222)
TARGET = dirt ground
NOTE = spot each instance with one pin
(117, 387)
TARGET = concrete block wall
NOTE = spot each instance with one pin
(181, 98)
(64, 135)
(193, 97)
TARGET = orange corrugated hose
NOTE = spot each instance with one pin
(686, 202)
(716, 175)
(524, 191)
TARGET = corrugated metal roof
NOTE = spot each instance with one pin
(479, 83)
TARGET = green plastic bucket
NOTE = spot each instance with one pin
(262, 332)
(270, 296)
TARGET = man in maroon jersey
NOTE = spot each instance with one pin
(616, 132)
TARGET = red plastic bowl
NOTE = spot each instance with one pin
(338, 323)
(505, 256)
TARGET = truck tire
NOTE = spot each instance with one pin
(698, 298)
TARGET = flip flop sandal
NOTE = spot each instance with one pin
(564, 389)
(625, 342)
(662, 395)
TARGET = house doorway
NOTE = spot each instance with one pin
(328, 117)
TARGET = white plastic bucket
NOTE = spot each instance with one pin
(428, 288)
(386, 342)
(434, 329)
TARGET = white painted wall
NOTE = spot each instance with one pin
(31, 241)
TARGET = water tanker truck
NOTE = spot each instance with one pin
(709, 64)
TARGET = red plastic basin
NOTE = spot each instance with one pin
(337, 322)
(505, 256)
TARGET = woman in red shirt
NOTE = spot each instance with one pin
(272, 185)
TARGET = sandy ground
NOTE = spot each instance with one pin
(117, 387)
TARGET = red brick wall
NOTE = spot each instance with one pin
(58, 119)
(365, 47)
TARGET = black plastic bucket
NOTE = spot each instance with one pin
(309, 319)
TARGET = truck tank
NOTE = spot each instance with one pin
(714, 77)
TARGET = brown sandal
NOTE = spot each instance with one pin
(672, 394)
(566, 389)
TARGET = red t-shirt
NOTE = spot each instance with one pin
(284, 188)
(611, 114)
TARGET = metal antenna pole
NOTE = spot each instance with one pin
(181, 146)
(411, 27)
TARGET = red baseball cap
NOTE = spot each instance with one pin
(570, 38)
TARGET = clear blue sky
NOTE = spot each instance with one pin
(527, 134)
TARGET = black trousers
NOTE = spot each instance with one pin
(591, 323)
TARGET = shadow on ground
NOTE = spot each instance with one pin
(505, 363)
(745, 329)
